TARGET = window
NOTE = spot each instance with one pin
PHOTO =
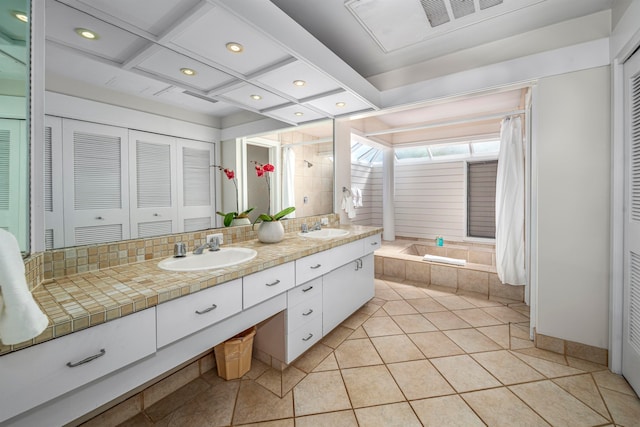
(481, 199)
(448, 152)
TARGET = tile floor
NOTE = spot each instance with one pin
(410, 357)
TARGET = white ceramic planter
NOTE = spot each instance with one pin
(270, 232)
(240, 221)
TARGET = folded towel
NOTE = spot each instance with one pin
(444, 259)
(357, 197)
(20, 316)
(347, 206)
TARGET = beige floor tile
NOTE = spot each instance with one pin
(166, 405)
(545, 354)
(427, 305)
(519, 331)
(413, 323)
(328, 364)
(607, 379)
(506, 367)
(419, 379)
(476, 317)
(520, 344)
(139, 420)
(257, 368)
(331, 419)
(213, 407)
(289, 422)
(372, 385)
(334, 338)
(506, 314)
(369, 308)
(398, 307)
(444, 320)
(355, 320)
(380, 313)
(394, 415)
(464, 373)
(557, 406)
(624, 408)
(396, 348)
(354, 353)
(584, 389)
(438, 291)
(546, 368)
(471, 341)
(435, 344)
(320, 392)
(585, 365)
(290, 377)
(256, 404)
(124, 412)
(499, 334)
(312, 357)
(271, 379)
(454, 302)
(410, 292)
(450, 411)
(357, 334)
(387, 294)
(478, 300)
(499, 407)
(380, 326)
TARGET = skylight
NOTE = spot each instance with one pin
(452, 152)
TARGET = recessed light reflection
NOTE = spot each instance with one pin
(341, 104)
(299, 83)
(256, 97)
(20, 16)
(299, 113)
(87, 34)
(188, 72)
(234, 47)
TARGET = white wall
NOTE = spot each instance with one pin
(573, 188)
(369, 180)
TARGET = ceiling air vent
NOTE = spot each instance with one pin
(424, 19)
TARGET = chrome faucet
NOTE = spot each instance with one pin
(317, 226)
(213, 245)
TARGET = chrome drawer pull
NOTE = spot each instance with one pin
(273, 283)
(313, 267)
(308, 312)
(206, 310)
(307, 338)
(88, 359)
(374, 243)
(307, 289)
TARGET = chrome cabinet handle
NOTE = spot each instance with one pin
(313, 267)
(374, 243)
(156, 214)
(206, 310)
(307, 289)
(308, 338)
(308, 312)
(88, 359)
(273, 283)
(99, 218)
(358, 264)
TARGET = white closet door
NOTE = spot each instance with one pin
(195, 185)
(153, 205)
(53, 191)
(96, 197)
(13, 178)
(631, 305)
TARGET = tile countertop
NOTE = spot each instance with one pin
(79, 301)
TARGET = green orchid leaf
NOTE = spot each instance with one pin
(228, 218)
(284, 213)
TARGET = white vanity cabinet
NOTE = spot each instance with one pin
(64, 364)
(265, 284)
(181, 317)
(303, 317)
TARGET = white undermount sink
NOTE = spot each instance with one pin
(325, 233)
(208, 260)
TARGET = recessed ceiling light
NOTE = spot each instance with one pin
(256, 97)
(234, 47)
(341, 104)
(299, 113)
(21, 16)
(188, 72)
(299, 83)
(87, 34)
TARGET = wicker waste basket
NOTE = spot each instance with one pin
(233, 357)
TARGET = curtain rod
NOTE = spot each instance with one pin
(445, 123)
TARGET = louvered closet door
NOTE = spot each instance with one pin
(53, 190)
(13, 178)
(96, 197)
(153, 179)
(631, 306)
(195, 187)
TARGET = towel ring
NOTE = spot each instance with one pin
(346, 190)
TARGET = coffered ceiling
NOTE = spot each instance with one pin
(336, 47)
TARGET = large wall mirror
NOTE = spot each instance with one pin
(14, 117)
(303, 160)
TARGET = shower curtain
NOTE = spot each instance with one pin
(288, 175)
(510, 263)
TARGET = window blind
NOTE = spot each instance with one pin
(481, 199)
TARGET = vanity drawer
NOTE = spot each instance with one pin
(305, 291)
(186, 315)
(372, 243)
(261, 286)
(303, 313)
(316, 265)
(40, 373)
(303, 338)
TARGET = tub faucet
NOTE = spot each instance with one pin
(213, 245)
